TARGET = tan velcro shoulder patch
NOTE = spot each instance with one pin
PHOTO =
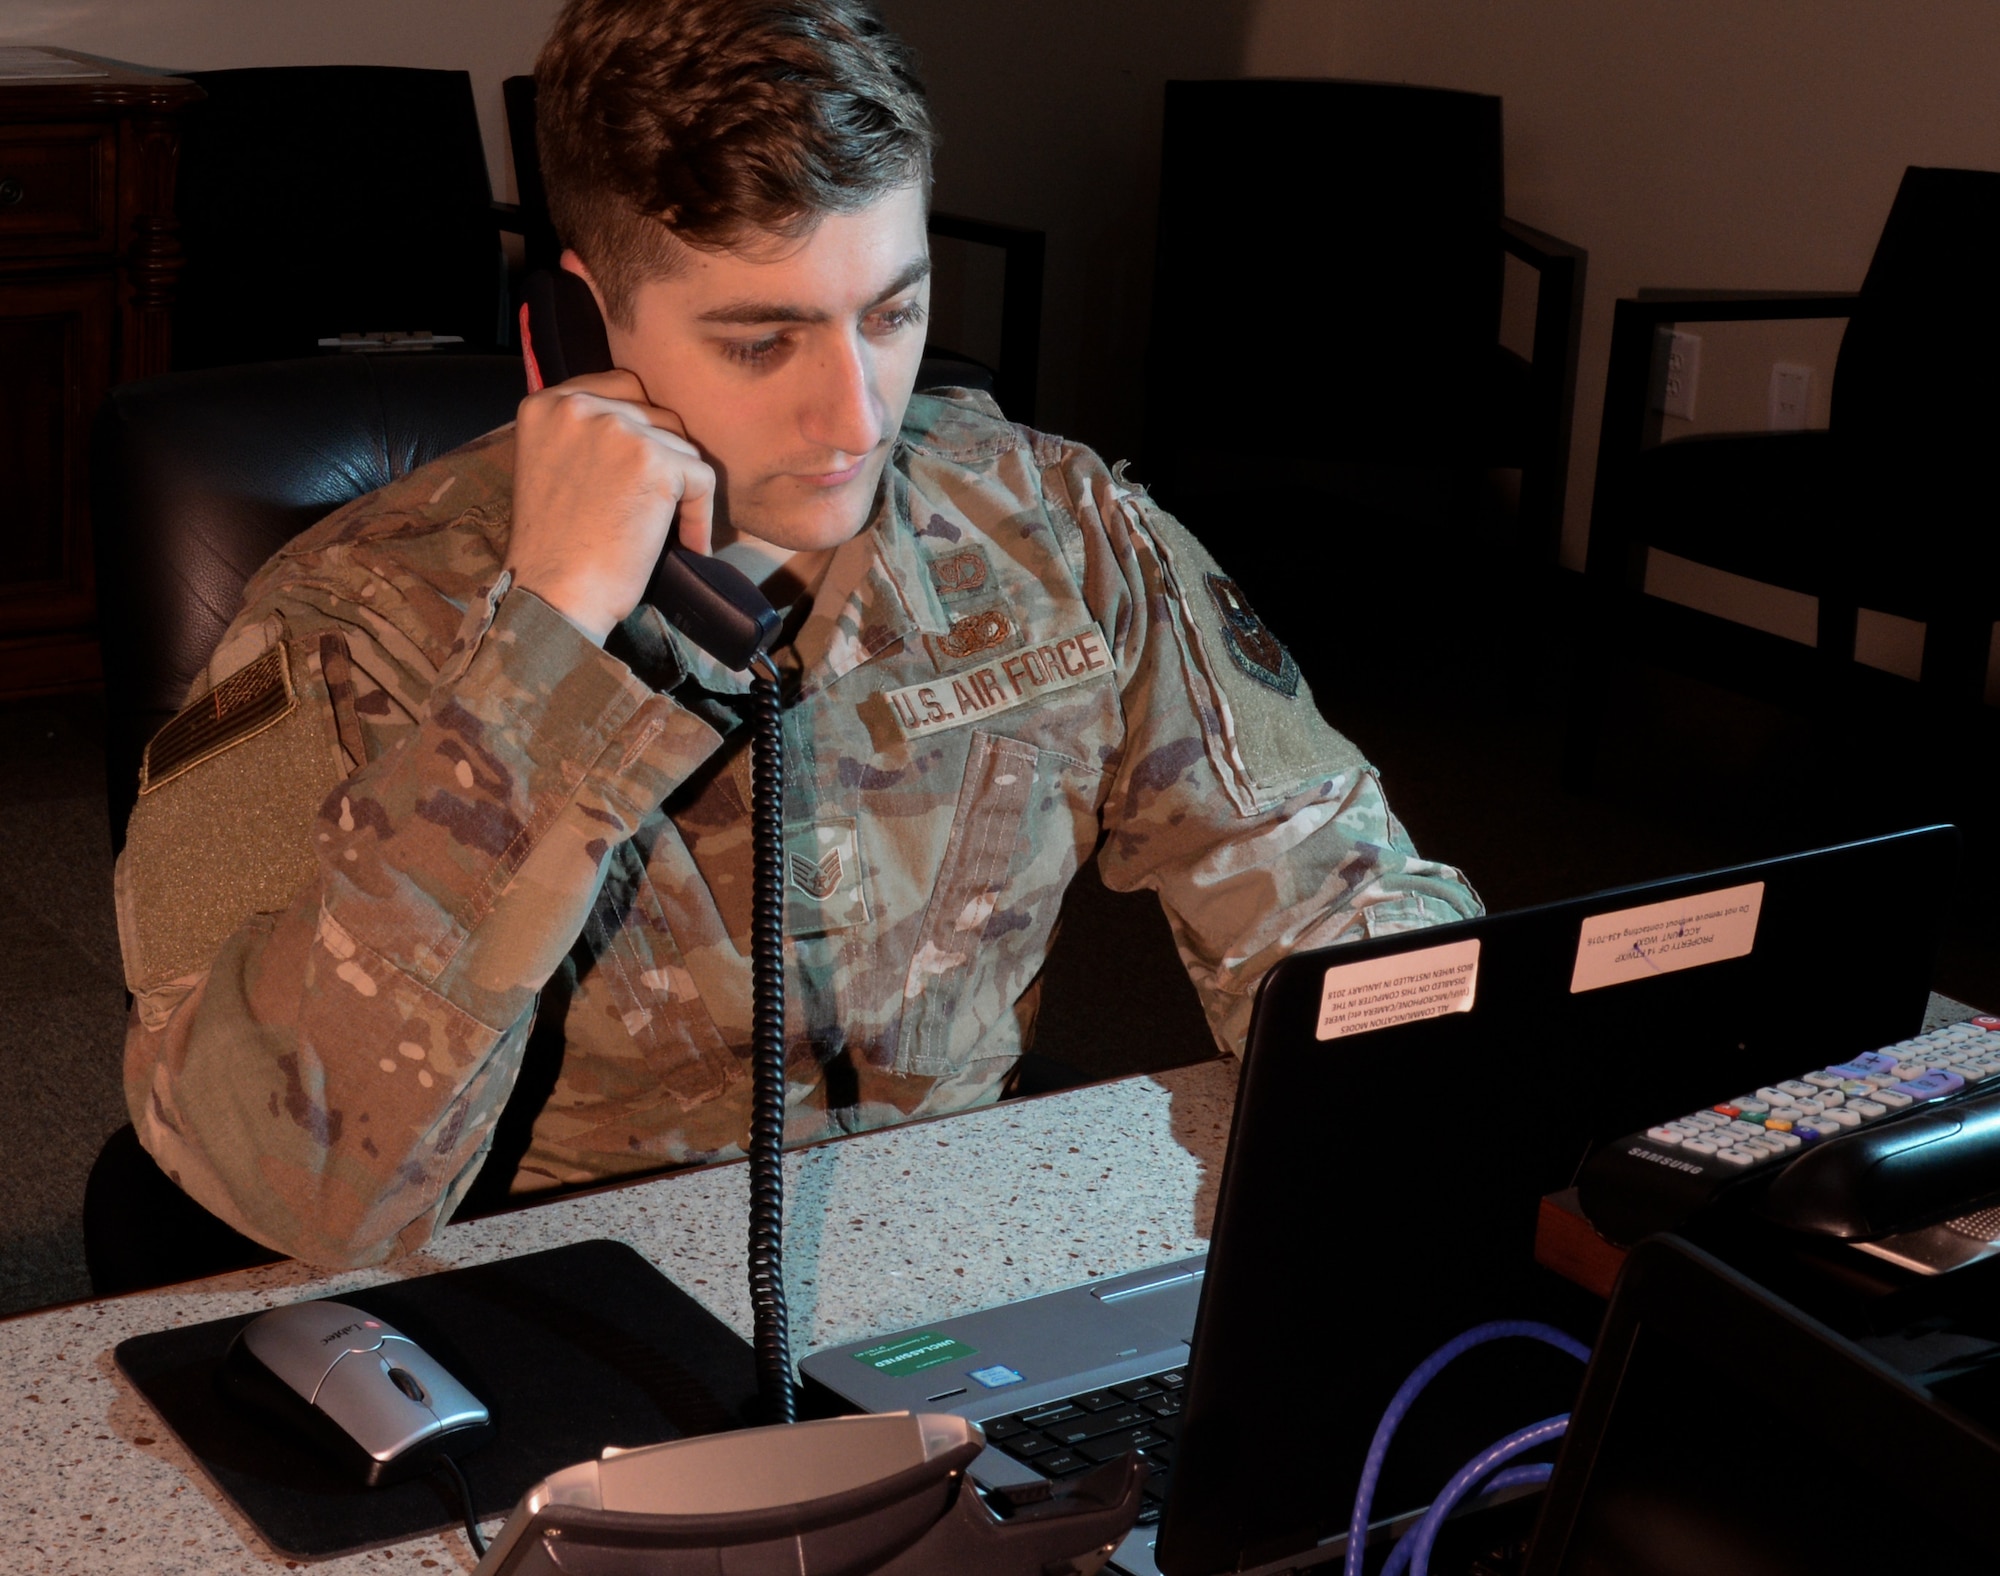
(223, 828)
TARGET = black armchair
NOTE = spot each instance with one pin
(1328, 293)
(1889, 507)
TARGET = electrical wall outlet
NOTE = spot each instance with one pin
(1676, 368)
(1791, 397)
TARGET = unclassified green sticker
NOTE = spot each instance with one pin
(914, 1353)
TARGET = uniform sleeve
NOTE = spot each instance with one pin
(1262, 829)
(335, 960)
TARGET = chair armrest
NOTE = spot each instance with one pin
(1628, 424)
(1537, 248)
(1020, 304)
(1660, 307)
(1560, 268)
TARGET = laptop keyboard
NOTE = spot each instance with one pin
(1062, 1438)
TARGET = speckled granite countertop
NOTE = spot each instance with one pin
(883, 1231)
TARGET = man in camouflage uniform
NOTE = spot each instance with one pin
(448, 787)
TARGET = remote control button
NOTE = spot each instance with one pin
(1707, 1121)
(1829, 1098)
(1838, 1119)
(1699, 1146)
(1742, 1130)
(1777, 1124)
(1867, 1110)
(1807, 1135)
(1664, 1135)
(1855, 1086)
(1777, 1096)
(1784, 1139)
(1797, 1090)
(1749, 1105)
(1729, 1112)
(1823, 1080)
(1933, 1085)
(1893, 1098)
(1786, 1113)
(1734, 1157)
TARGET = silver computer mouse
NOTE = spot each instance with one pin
(372, 1397)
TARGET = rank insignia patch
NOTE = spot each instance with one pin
(819, 880)
(1253, 647)
(244, 704)
(823, 885)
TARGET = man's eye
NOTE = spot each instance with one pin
(907, 316)
(754, 352)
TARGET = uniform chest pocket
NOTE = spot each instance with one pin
(985, 931)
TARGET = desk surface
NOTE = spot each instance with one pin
(884, 1230)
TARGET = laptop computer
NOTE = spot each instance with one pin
(1405, 1103)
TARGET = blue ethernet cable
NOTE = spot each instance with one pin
(1412, 1387)
(1414, 1548)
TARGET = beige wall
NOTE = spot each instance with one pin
(492, 39)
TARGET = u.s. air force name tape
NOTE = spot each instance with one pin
(1025, 674)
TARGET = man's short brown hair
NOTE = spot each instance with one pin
(703, 123)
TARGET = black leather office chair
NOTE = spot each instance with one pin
(198, 477)
(1890, 507)
(320, 200)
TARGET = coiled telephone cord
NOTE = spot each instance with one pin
(771, 1338)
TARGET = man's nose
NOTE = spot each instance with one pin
(844, 409)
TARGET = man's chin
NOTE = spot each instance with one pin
(809, 524)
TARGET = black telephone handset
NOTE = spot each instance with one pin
(710, 602)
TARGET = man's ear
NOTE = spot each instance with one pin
(571, 263)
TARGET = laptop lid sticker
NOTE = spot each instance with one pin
(1357, 997)
(1662, 938)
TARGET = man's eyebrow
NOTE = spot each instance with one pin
(748, 314)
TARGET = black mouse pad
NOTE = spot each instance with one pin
(571, 1350)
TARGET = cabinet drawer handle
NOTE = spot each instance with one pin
(11, 192)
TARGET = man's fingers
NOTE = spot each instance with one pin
(617, 384)
(694, 514)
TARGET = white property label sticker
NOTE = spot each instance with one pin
(1637, 943)
(1357, 997)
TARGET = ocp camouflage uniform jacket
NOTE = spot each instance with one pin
(407, 803)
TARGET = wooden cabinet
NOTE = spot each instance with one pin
(88, 264)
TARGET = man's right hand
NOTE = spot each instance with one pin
(599, 476)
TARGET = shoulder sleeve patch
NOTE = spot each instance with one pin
(244, 704)
(224, 824)
(1262, 728)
